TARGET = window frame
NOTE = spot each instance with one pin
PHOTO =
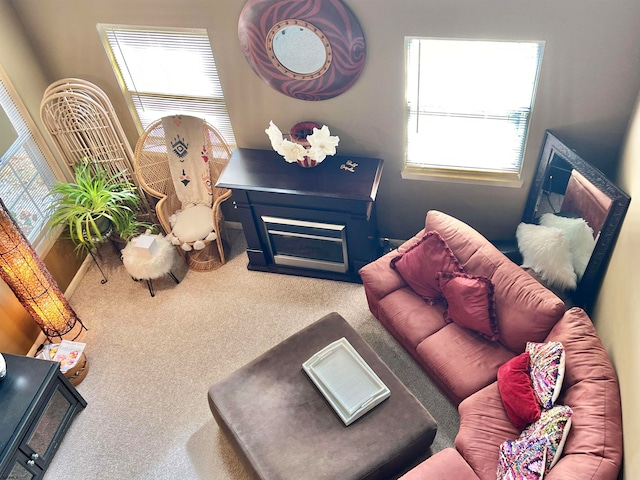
(44, 239)
(104, 28)
(461, 174)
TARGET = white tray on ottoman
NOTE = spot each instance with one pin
(346, 381)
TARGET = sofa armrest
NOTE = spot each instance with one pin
(379, 278)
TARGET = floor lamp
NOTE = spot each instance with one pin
(22, 269)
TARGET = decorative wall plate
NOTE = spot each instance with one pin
(306, 49)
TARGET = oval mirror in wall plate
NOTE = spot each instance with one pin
(306, 49)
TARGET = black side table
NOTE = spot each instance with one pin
(37, 406)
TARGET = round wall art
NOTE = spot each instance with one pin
(306, 49)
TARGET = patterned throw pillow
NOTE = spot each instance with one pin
(522, 459)
(554, 425)
(418, 265)
(470, 302)
(537, 449)
(547, 370)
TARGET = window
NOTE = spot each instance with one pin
(167, 71)
(25, 176)
(468, 107)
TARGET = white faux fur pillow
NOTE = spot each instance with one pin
(579, 237)
(545, 250)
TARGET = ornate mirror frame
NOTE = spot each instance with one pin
(555, 151)
(329, 24)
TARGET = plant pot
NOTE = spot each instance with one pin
(105, 227)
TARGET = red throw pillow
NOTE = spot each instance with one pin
(419, 265)
(470, 302)
(516, 391)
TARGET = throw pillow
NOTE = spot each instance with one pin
(522, 459)
(553, 425)
(516, 391)
(579, 237)
(546, 367)
(419, 265)
(537, 449)
(545, 250)
(470, 302)
(193, 224)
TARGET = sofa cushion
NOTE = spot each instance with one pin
(447, 464)
(526, 310)
(419, 265)
(484, 425)
(594, 446)
(406, 315)
(470, 302)
(460, 361)
(547, 365)
(516, 391)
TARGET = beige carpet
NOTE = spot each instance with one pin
(152, 361)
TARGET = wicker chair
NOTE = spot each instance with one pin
(151, 163)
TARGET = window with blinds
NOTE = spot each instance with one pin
(165, 72)
(468, 105)
(25, 175)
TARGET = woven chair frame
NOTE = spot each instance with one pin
(83, 124)
(151, 163)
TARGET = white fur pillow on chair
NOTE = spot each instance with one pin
(579, 237)
(545, 250)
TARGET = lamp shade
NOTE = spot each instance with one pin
(22, 269)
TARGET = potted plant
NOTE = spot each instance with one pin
(94, 206)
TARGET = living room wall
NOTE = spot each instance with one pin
(589, 80)
(617, 317)
(18, 331)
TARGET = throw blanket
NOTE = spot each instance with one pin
(188, 147)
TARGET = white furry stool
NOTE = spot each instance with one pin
(149, 256)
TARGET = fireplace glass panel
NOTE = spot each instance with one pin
(299, 243)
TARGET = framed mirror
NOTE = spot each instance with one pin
(306, 49)
(567, 184)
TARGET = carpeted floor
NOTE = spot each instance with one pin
(152, 361)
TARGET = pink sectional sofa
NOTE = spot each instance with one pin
(464, 364)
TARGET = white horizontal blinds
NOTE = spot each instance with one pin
(25, 176)
(469, 103)
(170, 72)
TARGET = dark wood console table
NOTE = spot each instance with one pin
(317, 221)
(37, 405)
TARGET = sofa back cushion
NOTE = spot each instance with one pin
(526, 311)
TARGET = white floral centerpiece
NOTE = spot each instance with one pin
(321, 144)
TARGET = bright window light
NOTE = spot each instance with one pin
(25, 175)
(468, 105)
(167, 71)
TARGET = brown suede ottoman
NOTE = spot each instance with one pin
(282, 427)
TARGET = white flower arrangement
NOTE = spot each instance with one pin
(321, 144)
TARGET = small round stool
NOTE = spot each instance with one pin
(149, 256)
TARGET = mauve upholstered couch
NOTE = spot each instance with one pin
(464, 364)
